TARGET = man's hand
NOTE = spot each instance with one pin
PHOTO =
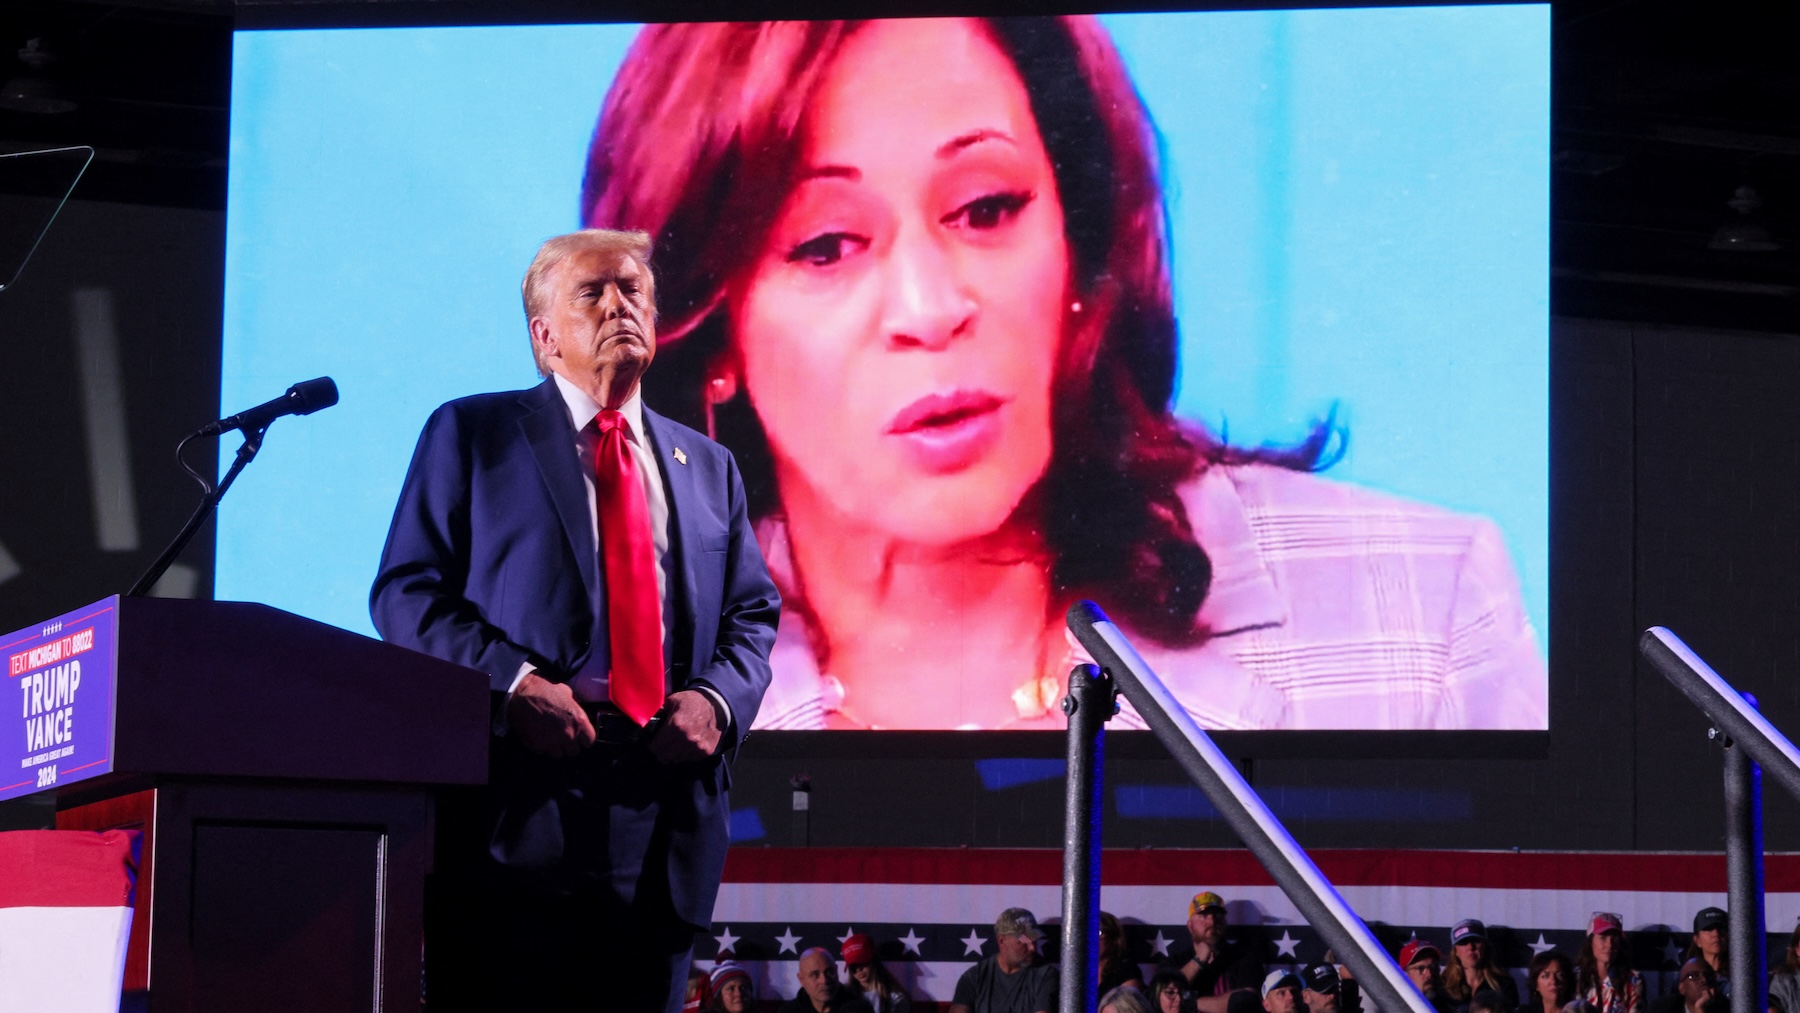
(547, 718)
(1203, 955)
(691, 732)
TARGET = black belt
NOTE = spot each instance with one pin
(612, 727)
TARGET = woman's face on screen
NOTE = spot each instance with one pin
(898, 334)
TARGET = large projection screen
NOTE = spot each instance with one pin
(1268, 378)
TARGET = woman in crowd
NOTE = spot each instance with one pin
(1784, 983)
(914, 274)
(1124, 999)
(1168, 993)
(872, 978)
(732, 989)
(1604, 980)
(1116, 966)
(1552, 983)
(1710, 943)
(1472, 969)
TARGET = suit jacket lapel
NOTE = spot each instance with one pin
(678, 484)
(552, 441)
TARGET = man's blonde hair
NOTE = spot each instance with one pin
(556, 249)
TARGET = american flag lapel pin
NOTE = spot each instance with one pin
(680, 458)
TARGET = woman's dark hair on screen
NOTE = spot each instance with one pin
(697, 143)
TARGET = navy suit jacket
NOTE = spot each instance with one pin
(491, 563)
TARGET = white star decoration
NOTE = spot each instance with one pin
(788, 941)
(1159, 945)
(1541, 945)
(911, 941)
(972, 944)
(1284, 947)
(848, 932)
(727, 940)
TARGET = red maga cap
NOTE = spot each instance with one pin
(1414, 947)
(859, 949)
(1604, 921)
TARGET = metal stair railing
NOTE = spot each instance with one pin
(1091, 701)
(1752, 745)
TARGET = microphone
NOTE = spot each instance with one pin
(303, 398)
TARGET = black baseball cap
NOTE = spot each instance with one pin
(1710, 918)
(1321, 978)
(1468, 928)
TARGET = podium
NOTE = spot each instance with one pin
(281, 772)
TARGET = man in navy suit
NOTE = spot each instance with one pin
(579, 877)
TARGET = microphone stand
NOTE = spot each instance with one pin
(208, 503)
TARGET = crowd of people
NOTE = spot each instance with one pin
(1207, 972)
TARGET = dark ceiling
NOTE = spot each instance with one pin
(1663, 109)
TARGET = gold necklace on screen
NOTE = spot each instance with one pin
(1031, 700)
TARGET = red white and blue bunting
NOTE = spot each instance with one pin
(931, 911)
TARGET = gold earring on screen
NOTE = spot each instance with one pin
(720, 388)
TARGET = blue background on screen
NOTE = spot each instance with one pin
(1360, 211)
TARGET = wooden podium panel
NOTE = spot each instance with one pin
(281, 772)
(237, 689)
(266, 937)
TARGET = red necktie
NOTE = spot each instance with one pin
(628, 556)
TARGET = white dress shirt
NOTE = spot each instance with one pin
(582, 410)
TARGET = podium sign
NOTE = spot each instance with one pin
(56, 723)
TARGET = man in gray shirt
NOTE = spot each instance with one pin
(1010, 981)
